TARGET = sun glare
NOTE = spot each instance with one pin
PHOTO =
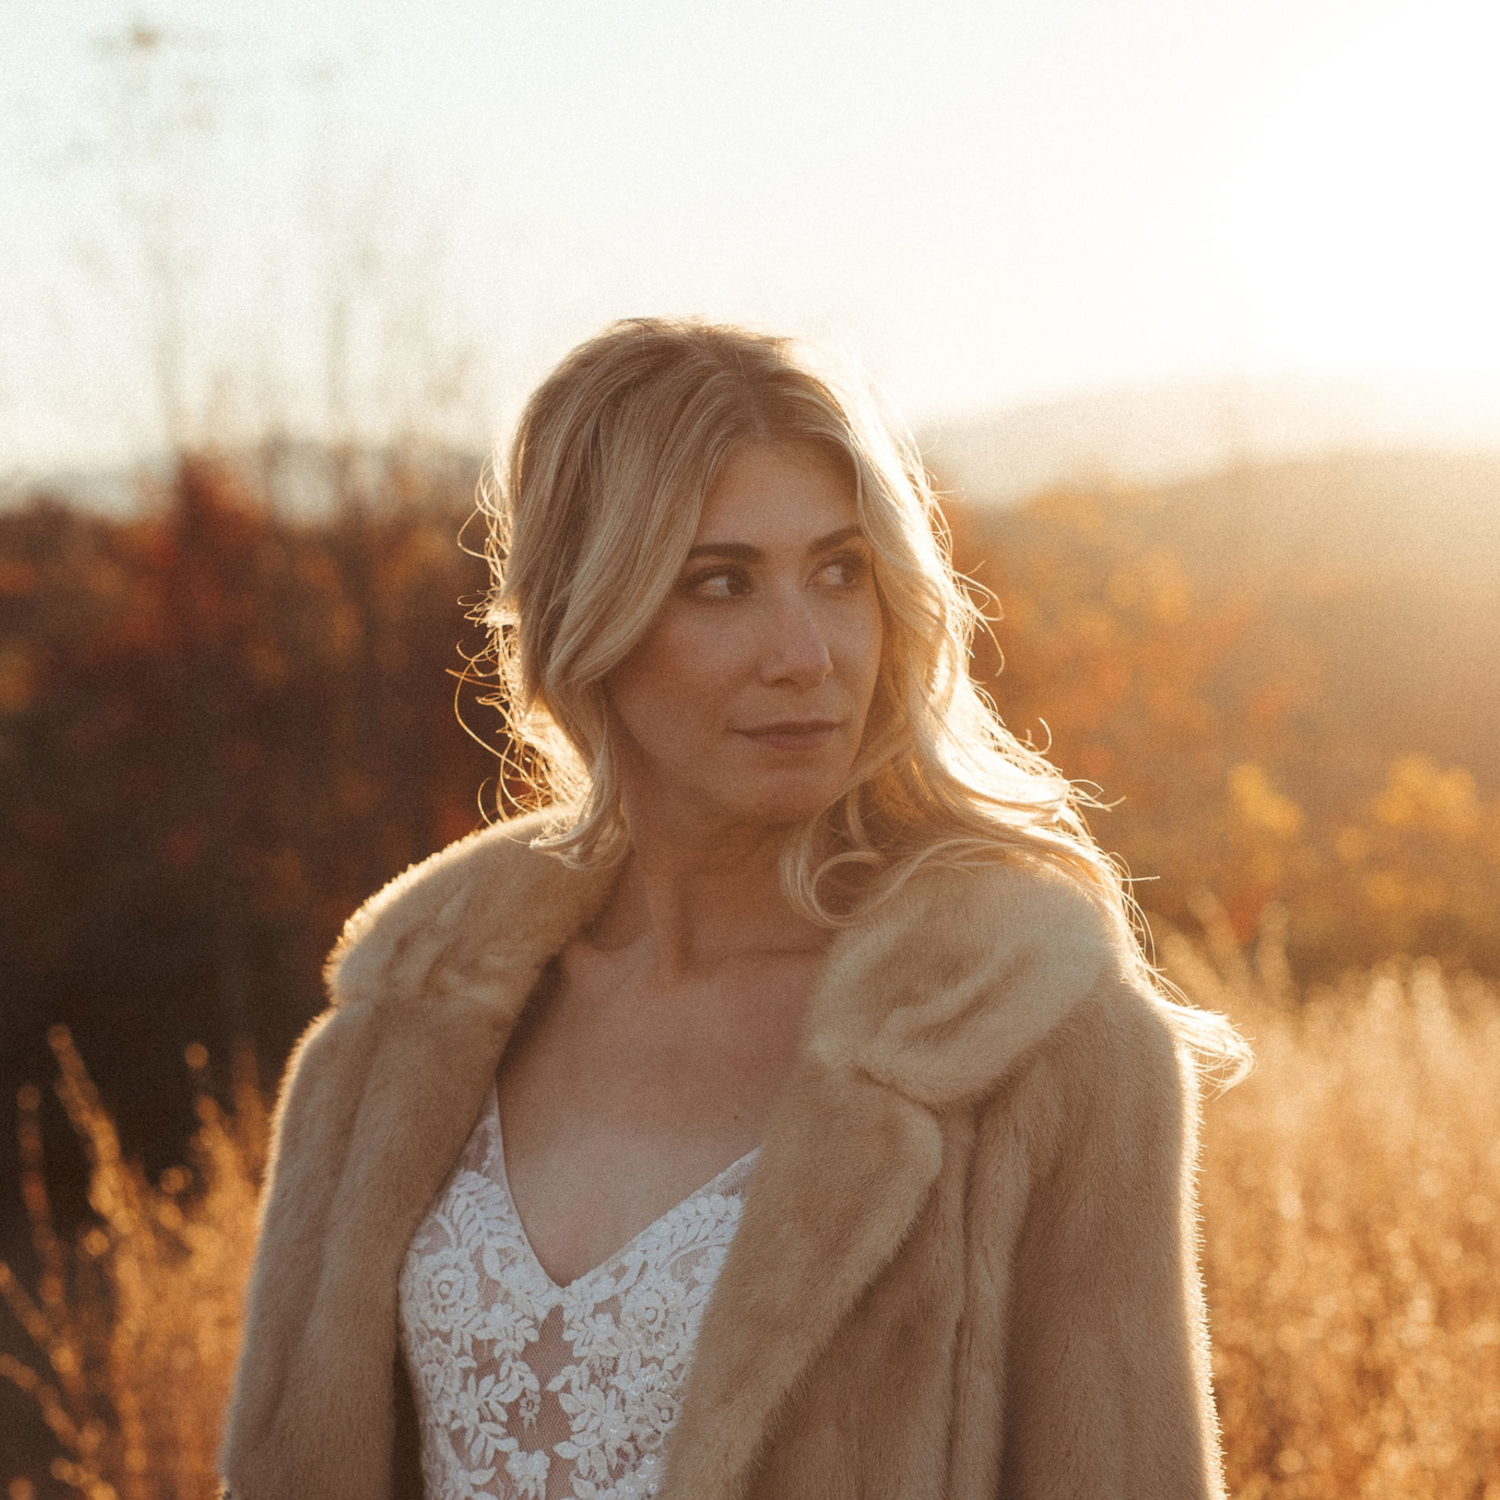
(1363, 225)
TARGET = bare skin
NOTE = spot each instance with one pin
(653, 1056)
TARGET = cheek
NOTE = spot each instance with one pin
(676, 678)
(863, 641)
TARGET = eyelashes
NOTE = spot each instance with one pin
(730, 581)
(856, 566)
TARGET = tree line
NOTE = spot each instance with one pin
(222, 726)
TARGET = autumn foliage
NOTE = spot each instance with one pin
(222, 725)
(219, 730)
(1226, 718)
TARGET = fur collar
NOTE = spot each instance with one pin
(1001, 954)
(922, 1007)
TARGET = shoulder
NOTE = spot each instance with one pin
(491, 889)
(962, 974)
(452, 945)
(426, 897)
(1117, 1070)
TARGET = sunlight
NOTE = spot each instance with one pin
(1363, 225)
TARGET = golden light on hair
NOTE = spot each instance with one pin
(591, 521)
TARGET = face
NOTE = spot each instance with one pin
(745, 703)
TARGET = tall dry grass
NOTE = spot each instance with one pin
(137, 1324)
(1351, 1197)
(1352, 1245)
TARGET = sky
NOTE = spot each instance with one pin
(398, 214)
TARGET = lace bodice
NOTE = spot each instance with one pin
(526, 1390)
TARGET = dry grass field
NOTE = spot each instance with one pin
(1352, 1235)
(136, 1326)
(1351, 1198)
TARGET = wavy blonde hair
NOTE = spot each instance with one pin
(591, 518)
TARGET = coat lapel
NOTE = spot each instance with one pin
(921, 1008)
(846, 1168)
(848, 1163)
(428, 981)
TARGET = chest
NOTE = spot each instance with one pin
(617, 1103)
(551, 1391)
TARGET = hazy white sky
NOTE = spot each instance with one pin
(411, 207)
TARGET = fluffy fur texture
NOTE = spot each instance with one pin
(966, 1262)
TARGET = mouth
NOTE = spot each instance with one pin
(794, 734)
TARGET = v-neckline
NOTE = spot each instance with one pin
(563, 1288)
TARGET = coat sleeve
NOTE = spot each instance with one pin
(304, 1419)
(1106, 1389)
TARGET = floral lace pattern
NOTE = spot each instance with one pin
(527, 1390)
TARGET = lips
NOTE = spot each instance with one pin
(793, 734)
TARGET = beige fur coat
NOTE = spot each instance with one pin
(966, 1263)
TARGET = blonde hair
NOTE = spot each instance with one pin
(591, 519)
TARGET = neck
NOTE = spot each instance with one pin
(699, 891)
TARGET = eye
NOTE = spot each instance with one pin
(718, 583)
(846, 571)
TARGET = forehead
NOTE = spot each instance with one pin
(777, 490)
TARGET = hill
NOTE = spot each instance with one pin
(1422, 519)
(221, 726)
(1164, 433)
(1289, 679)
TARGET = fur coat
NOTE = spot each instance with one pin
(966, 1263)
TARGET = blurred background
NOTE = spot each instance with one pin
(1192, 308)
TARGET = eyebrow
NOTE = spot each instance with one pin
(744, 552)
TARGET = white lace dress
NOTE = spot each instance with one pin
(526, 1390)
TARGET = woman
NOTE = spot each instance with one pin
(786, 1111)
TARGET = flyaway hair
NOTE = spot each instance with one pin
(591, 518)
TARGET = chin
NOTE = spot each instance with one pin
(784, 801)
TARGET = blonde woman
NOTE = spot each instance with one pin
(786, 1110)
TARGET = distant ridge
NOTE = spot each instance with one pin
(1147, 437)
(1161, 434)
(1408, 517)
(1383, 568)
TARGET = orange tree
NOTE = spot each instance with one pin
(220, 728)
(1210, 712)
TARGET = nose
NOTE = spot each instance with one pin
(795, 651)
